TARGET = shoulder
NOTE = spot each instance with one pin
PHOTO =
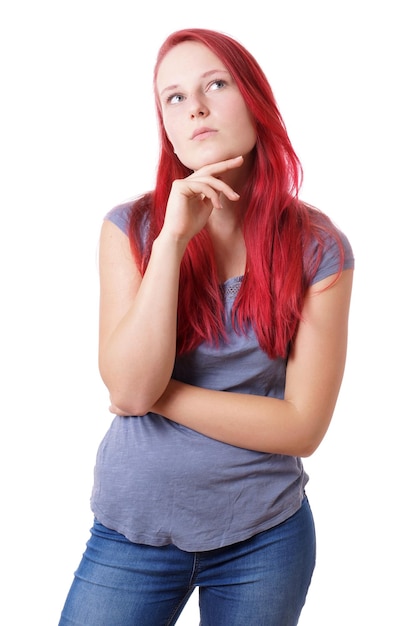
(120, 215)
(328, 250)
(133, 214)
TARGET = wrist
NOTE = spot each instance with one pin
(170, 244)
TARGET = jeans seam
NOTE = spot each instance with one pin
(190, 589)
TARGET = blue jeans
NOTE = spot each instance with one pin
(262, 581)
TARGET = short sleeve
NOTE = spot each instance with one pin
(120, 216)
(330, 260)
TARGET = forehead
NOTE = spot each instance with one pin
(186, 60)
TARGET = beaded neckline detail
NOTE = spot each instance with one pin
(230, 287)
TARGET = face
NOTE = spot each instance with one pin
(203, 111)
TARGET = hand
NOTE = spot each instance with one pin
(193, 199)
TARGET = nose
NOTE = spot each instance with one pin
(200, 113)
(198, 108)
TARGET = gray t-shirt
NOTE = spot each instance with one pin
(158, 482)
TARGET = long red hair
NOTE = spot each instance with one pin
(277, 226)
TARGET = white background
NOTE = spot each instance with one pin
(77, 137)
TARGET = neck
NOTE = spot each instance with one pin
(225, 226)
(236, 178)
(229, 247)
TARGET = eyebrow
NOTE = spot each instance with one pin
(205, 75)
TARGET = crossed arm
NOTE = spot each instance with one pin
(137, 352)
(297, 424)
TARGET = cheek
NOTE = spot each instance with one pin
(173, 135)
(175, 142)
(167, 129)
(247, 128)
(243, 119)
(169, 126)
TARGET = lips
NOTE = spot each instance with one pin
(202, 132)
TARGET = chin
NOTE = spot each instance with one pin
(205, 157)
(197, 164)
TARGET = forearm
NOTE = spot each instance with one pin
(314, 370)
(138, 335)
(247, 421)
(137, 359)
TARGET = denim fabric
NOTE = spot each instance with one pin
(262, 581)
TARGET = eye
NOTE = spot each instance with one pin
(217, 84)
(174, 98)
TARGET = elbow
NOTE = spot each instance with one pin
(132, 394)
(306, 437)
(308, 449)
(298, 445)
(310, 441)
(127, 404)
(127, 399)
(299, 448)
(307, 429)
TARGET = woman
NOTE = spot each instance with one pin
(223, 330)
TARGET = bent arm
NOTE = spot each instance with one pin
(297, 424)
(138, 317)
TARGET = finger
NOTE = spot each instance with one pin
(205, 193)
(219, 167)
(215, 169)
(203, 185)
(210, 189)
